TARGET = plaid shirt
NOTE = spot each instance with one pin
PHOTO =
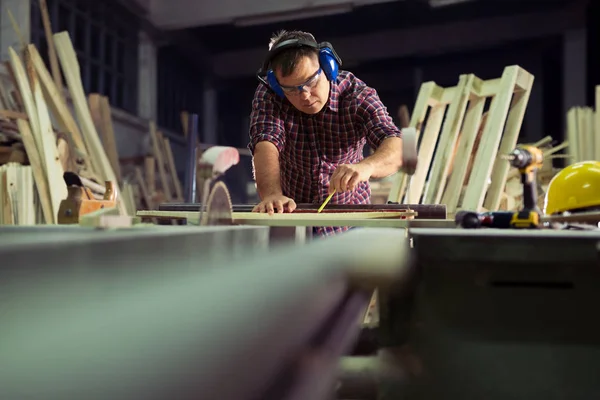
(312, 146)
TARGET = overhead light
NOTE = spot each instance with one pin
(313, 12)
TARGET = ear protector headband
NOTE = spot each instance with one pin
(329, 61)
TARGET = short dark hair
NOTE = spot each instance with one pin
(288, 59)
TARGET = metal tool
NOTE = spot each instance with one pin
(503, 219)
(218, 209)
(80, 200)
(527, 159)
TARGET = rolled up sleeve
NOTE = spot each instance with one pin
(374, 115)
(265, 120)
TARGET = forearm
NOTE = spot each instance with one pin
(387, 159)
(267, 170)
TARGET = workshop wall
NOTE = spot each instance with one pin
(557, 58)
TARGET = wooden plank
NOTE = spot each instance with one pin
(109, 136)
(447, 141)
(71, 69)
(7, 216)
(150, 173)
(582, 134)
(16, 29)
(425, 96)
(466, 143)
(49, 150)
(304, 219)
(315, 215)
(489, 87)
(146, 196)
(154, 137)
(17, 99)
(6, 101)
(56, 75)
(60, 109)
(248, 215)
(22, 83)
(13, 114)
(512, 128)
(168, 172)
(17, 195)
(572, 136)
(128, 198)
(426, 150)
(101, 115)
(173, 169)
(488, 148)
(590, 141)
(39, 176)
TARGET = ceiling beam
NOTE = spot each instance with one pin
(425, 41)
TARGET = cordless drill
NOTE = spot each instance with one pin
(527, 159)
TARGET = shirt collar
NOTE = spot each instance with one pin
(334, 97)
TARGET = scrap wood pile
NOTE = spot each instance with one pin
(583, 132)
(45, 131)
(46, 139)
(462, 131)
(154, 188)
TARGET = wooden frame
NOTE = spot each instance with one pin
(458, 111)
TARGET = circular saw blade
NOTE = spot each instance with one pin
(217, 210)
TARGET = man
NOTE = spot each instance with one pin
(308, 127)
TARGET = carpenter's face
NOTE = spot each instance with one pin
(307, 87)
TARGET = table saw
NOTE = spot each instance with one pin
(213, 312)
(491, 314)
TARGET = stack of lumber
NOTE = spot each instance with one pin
(47, 129)
(583, 132)
(462, 130)
(36, 118)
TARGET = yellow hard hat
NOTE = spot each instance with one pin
(576, 186)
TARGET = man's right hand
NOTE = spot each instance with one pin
(275, 203)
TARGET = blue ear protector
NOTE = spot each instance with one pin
(329, 61)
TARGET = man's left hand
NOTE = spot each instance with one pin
(347, 176)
